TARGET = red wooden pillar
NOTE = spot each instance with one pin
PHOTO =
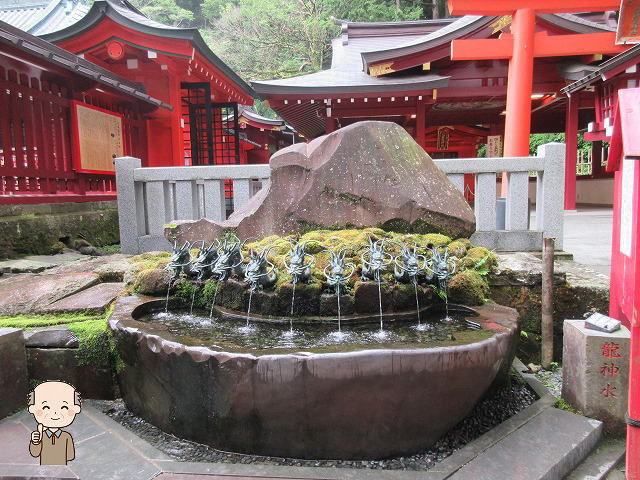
(519, 88)
(596, 159)
(571, 142)
(330, 125)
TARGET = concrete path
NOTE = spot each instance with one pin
(587, 235)
(105, 450)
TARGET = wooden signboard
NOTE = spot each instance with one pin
(97, 135)
(494, 146)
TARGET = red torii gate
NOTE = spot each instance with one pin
(520, 47)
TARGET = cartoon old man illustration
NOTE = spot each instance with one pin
(54, 405)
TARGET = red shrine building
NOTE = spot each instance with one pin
(49, 99)
(404, 72)
(176, 66)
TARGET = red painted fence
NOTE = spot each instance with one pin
(36, 154)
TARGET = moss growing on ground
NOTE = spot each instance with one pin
(30, 321)
(96, 347)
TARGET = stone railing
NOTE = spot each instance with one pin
(549, 211)
(149, 198)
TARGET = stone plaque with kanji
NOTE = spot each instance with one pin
(595, 372)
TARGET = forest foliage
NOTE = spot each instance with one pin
(267, 39)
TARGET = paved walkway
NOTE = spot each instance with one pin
(587, 235)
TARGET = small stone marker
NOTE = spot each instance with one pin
(595, 372)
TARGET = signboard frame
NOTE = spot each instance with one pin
(77, 128)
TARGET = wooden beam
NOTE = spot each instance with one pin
(544, 46)
(507, 7)
(579, 44)
(483, 49)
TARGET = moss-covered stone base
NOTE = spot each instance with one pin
(36, 233)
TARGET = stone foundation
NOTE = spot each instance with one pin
(36, 229)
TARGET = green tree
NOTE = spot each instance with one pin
(165, 11)
(263, 39)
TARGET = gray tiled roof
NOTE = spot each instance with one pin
(42, 16)
(346, 75)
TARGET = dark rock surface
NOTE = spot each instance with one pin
(13, 371)
(367, 174)
(329, 305)
(51, 337)
(92, 381)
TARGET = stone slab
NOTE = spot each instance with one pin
(13, 371)
(51, 337)
(94, 299)
(33, 292)
(38, 263)
(546, 448)
(595, 373)
(14, 437)
(602, 460)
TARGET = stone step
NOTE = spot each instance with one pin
(38, 263)
(94, 299)
(558, 441)
(31, 292)
(597, 466)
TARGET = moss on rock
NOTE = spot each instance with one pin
(481, 259)
(469, 288)
(152, 281)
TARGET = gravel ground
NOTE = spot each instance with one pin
(487, 414)
(552, 379)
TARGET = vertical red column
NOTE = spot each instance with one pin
(519, 87)
(571, 142)
(633, 431)
(330, 125)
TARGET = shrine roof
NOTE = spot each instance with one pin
(346, 75)
(123, 13)
(42, 16)
(245, 111)
(55, 55)
(466, 25)
(606, 69)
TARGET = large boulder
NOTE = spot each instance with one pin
(366, 174)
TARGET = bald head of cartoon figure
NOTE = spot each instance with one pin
(54, 404)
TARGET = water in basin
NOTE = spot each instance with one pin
(276, 338)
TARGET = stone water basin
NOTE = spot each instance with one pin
(308, 397)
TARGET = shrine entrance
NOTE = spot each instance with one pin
(210, 130)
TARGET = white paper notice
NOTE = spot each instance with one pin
(626, 206)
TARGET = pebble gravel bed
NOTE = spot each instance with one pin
(490, 412)
(552, 379)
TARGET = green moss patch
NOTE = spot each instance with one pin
(34, 320)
